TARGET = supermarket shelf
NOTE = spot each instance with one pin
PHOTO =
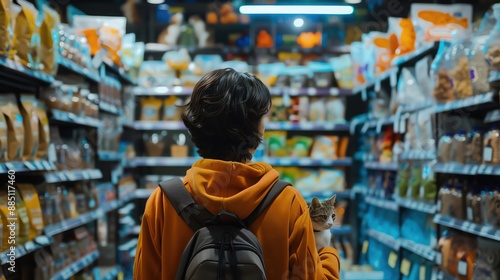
(156, 125)
(380, 78)
(78, 69)
(304, 162)
(125, 198)
(109, 156)
(358, 275)
(161, 161)
(386, 239)
(443, 275)
(412, 55)
(75, 267)
(161, 91)
(108, 108)
(377, 123)
(480, 230)
(70, 118)
(82, 219)
(27, 166)
(73, 175)
(417, 205)
(120, 72)
(109, 273)
(467, 169)
(418, 155)
(22, 250)
(341, 230)
(308, 195)
(417, 106)
(143, 193)
(424, 251)
(307, 126)
(382, 203)
(15, 75)
(384, 166)
(471, 102)
(312, 91)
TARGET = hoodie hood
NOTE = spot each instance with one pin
(232, 186)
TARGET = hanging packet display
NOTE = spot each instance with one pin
(24, 29)
(43, 130)
(30, 122)
(383, 53)
(436, 22)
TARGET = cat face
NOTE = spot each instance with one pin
(322, 213)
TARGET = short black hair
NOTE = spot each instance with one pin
(224, 113)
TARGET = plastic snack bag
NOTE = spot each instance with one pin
(460, 73)
(269, 73)
(358, 64)
(299, 146)
(4, 26)
(275, 142)
(325, 147)
(383, 53)
(155, 74)
(49, 40)
(492, 48)
(335, 110)
(402, 36)
(127, 49)
(439, 21)
(331, 179)
(24, 29)
(443, 89)
(206, 63)
(342, 67)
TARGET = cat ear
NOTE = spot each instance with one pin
(315, 203)
(332, 199)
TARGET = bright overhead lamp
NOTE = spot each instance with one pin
(297, 9)
(298, 22)
(353, 1)
(156, 2)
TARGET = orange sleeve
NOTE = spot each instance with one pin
(304, 261)
(147, 264)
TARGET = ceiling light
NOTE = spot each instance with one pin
(297, 9)
(156, 2)
(298, 22)
(353, 1)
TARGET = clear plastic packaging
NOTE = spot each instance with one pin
(445, 148)
(240, 66)
(443, 89)
(473, 202)
(492, 48)
(205, 63)
(268, 73)
(459, 147)
(491, 146)
(460, 74)
(177, 60)
(322, 73)
(342, 67)
(156, 74)
(298, 76)
(475, 147)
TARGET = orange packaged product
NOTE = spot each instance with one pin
(403, 36)
(436, 22)
(4, 26)
(264, 39)
(309, 39)
(383, 52)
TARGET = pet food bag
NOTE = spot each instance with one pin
(24, 29)
(4, 26)
(402, 36)
(49, 40)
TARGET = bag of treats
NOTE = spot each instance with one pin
(150, 109)
(492, 48)
(30, 122)
(43, 130)
(24, 29)
(4, 26)
(460, 73)
(402, 36)
(49, 39)
(383, 52)
(438, 22)
(443, 89)
(15, 128)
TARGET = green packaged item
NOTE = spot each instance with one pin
(275, 143)
(402, 179)
(300, 146)
(415, 181)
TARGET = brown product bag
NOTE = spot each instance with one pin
(24, 28)
(3, 138)
(15, 128)
(4, 26)
(30, 122)
(47, 55)
(43, 131)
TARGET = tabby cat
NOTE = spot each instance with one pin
(322, 216)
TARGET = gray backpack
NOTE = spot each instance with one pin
(221, 248)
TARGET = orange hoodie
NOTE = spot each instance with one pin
(284, 229)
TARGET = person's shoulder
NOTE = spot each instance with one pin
(294, 196)
(155, 201)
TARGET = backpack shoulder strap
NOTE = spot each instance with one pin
(184, 204)
(270, 196)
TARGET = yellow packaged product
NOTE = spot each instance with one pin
(402, 36)
(43, 131)
(24, 29)
(30, 197)
(325, 147)
(299, 146)
(171, 109)
(15, 128)
(150, 109)
(51, 20)
(30, 121)
(4, 26)
(436, 22)
(23, 220)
